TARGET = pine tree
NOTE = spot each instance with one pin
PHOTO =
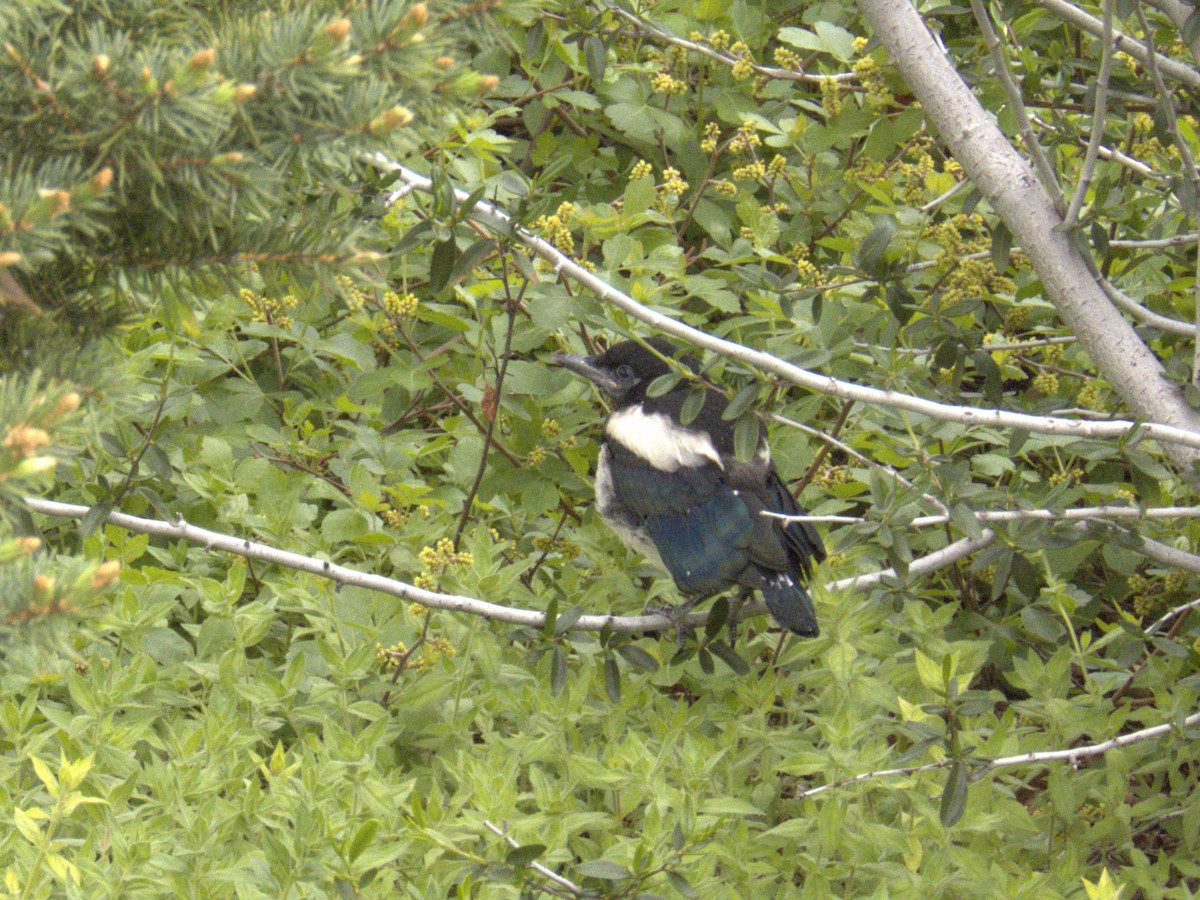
(151, 147)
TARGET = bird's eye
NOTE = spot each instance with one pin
(625, 373)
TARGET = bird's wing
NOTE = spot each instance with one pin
(777, 546)
(701, 528)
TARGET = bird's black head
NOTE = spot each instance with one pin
(624, 370)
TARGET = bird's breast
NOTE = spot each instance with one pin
(628, 526)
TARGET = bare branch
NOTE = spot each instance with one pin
(537, 867)
(1008, 183)
(1072, 15)
(728, 59)
(1189, 437)
(343, 575)
(1089, 513)
(1099, 113)
(1012, 91)
(1073, 756)
(1171, 614)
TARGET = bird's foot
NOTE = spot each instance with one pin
(735, 616)
(677, 613)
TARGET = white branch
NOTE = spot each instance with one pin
(1072, 15)
(343, 575)
(727, 59)
(947, 556)
(1073, 756)
(489, 215)
(1089, 513)
(536, 866)
(1169, 615)
(1010, 186)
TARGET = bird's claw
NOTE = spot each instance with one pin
(677, 613)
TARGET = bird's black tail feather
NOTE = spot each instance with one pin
(789, 604)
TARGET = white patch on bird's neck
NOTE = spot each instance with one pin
(660, 441)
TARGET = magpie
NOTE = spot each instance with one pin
(677, 494)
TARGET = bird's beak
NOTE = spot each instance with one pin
(586, 366)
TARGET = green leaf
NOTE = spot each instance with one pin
(692, 404)
(595, 53)
(558, 671)
(1002, 242)
(741, 402)
(902, 303)
(520, 857)
(567, 620)
(441, 263)
(535, 41)
(1191, 27)
(638, 658)
(929, 672)
(729, 656)
(678, 838)
(706, 661)
(551, 617)
(745, 438)
(466, 263)
(362, 839)
(871, 253)
(954, 797)
(663, 384)
(603, 869)
(681, 884)
(612, 679)
(94, 518)
(718, 614)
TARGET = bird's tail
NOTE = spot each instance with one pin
(789, 604)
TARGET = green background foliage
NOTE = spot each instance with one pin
(302, 364)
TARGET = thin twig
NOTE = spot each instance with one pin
(1016, 103)
(1174, 69)
(1099, 115)
(1073, 756)
(728, 59)
(537, 867)
(1170, 614)
(1189, 168)
(854, 454)
(511, 307)
(1089, 513)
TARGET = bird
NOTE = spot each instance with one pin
(677, 494)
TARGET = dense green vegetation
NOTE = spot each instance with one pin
(245, 330)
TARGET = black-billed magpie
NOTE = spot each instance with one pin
(678, 495)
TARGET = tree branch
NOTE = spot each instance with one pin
(1185, 434)
(1005, 179)
(342, 575)
(1073, 756)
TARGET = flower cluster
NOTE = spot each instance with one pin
(557, 228)
(401, 307)
(960, 237)
(663, 83)
(438, 559)
(870, 76)
(270, 310)
(1152, 595)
